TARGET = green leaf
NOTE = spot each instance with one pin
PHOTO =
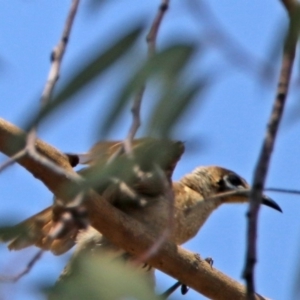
(171, 106)
(166, 65)
(95, 276)
(89, 72)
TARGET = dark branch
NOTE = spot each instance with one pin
(280, 190)
(261, 169)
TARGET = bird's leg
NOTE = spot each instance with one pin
(171, 290)
(183, 288)
(209, 260)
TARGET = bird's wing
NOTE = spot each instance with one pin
(101, 151)
(141, 171)
(148, 154)
(165, 153)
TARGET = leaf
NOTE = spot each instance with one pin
(171, 106)
(98, 277)
(166, 65)
(89, 72)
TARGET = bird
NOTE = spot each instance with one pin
(138, 186)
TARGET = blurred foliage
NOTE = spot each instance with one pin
(9, 232)
(99, 277)
(167, 68)
(173, 103)
(85, 75)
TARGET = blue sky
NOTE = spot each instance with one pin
(225, 126)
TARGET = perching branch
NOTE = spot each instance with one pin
(266, 151)
(119, 228)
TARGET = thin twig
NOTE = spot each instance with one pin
(265, 156)
(56, 60)
(57, 55)
(136, 106)
(136, 119)
(12, 159)
(152, 35)
(280, 190)
(27, 269)
(151, 41)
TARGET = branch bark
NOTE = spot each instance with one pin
(119, 228)
(262, 166)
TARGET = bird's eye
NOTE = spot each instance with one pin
(234, 180)
(230, 182)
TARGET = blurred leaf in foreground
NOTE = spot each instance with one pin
(171, 106)
(90, 71)
(99, 277)
(166, 66)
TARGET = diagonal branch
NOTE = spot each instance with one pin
(56, 60)
(136, 106)
(53, 76)
(119, 228)
(57, 55)
(27, 269)
(266, 151)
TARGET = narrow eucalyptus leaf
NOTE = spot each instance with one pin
(169, 61)
(97, 276)
(171, 107)
(166, 64)
(91, 70)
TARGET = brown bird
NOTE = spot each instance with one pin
(138, 187)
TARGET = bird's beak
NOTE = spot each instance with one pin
(271, 203)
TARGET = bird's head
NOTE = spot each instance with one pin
(220, 180)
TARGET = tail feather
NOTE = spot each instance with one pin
(35, 231)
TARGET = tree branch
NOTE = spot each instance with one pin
(56, 60)
(136, 106)
(266, 151)
(119, 228)
(57, 55)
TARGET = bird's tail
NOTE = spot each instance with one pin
(35, 231)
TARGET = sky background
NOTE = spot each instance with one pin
(224, 126)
